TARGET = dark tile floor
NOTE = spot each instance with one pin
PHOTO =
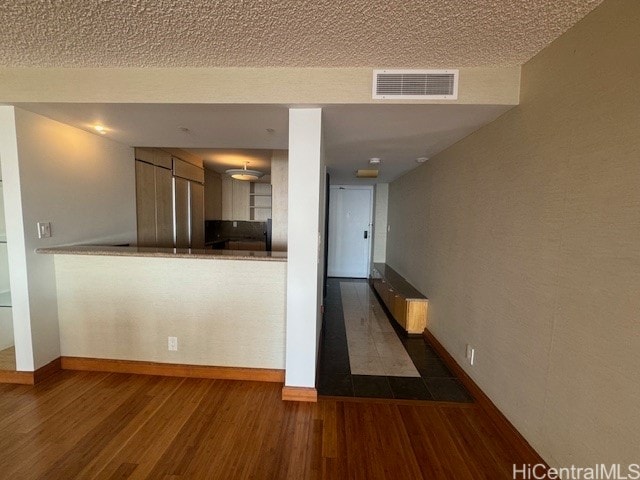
(436, 381)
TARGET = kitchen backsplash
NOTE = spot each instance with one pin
(224, 229)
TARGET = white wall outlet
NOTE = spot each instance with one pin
(235, 224)
(173, 344)
(471, 354)
(44, 229)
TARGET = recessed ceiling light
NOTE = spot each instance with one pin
(100, 129)
(422, 159)
(374, 160)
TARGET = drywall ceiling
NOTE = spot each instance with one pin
(221, 159)
(163, 125)
(397, 134)
(329, 33)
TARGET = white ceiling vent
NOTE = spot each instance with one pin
(415, 84)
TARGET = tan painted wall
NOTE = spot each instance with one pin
(526, 238)
(279, 199)
(380, 206)
(84, 184)
(493, 86)
(224, 312)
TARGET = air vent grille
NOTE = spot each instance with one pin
(415, 84)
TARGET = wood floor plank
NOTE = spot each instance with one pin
(119, 426)
(61, 433)
(378, 445)
(180, 451)
(101, 435)
(52, 397)
(444, 455)
(479, 459)
(149, 424)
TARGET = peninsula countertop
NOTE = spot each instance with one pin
(206, 254)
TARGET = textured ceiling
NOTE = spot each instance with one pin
(293, 33)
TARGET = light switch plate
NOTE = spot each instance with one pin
(44, 229)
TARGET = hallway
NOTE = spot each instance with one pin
(365, 354)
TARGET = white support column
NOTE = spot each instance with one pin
(21, 309)
(304, 238)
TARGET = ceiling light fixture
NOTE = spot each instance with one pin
(374, 161)
(372, 173)
(244, 173)
(100, 129)
(422, 159)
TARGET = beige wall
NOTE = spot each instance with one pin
(380, 205)
(279, 199)
(6, 328)
(224, 312)
(491, 86)
(84, 184)
(212, 195)
(526, 238)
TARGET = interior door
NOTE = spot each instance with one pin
(350, 231)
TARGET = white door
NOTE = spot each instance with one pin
(349, 231)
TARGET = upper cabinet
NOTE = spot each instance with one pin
(235, 199)
(154, 156)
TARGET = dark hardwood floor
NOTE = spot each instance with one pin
(99, 425)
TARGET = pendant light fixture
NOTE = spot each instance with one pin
(244, 173)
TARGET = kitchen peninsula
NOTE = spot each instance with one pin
(225, 308)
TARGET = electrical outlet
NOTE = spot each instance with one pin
(471, 354)
(173, 344)
(44, 229)
(235, 224)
